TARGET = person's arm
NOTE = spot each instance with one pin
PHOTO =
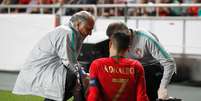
(141, 84)
(93, 92)
(166, 60)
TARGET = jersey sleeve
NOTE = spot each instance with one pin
(93, 92)
(165, 59)
(141, 84)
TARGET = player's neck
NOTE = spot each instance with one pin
(115, 54)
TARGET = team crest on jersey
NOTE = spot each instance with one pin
(138, 53)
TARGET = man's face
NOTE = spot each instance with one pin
(86, 28)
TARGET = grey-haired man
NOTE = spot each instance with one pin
(51, 70)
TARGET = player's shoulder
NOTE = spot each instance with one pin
(101, 60)
(132, 61)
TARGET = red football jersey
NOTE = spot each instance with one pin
(116, 80)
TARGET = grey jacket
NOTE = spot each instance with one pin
(148, 50)
(43, 73)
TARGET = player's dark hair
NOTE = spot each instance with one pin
(121, 41)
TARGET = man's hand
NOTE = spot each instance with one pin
(162, 93)
(85, 80)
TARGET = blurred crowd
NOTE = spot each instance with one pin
(131, 11)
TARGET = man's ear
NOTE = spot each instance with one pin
(131, 33)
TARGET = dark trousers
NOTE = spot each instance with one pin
(46, 99)
(69, 85)
(153, 76)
